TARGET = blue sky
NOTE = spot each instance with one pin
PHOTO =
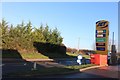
(73, 19)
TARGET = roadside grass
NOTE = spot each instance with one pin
(42, 56)
(48, 71)
(72, 54)
(50, 55)
(76, 54)
(33, 56)
(80, 66)
(86, 56)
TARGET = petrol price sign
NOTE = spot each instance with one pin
(102, 33)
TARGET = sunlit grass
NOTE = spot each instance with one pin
(80, 66)
(72, 54)
(33, 56)
(86, 56)
(42, 56)
(76, 54)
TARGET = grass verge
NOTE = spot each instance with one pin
(41, 56)
(76, 54)
(33, 56)
(80, 67)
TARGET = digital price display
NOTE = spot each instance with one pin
(100, 39)
(100, 35)
(100, 44)
(100, 48)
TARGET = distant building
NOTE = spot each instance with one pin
(87, 52)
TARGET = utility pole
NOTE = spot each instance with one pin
(78, 43)
(113, 52)
(113, 39)
(109, 45)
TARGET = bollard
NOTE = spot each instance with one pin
(34, 66)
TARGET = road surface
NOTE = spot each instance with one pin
(102, 72)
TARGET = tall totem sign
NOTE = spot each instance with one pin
(102, 37)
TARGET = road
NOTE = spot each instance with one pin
(14, 67)
(102, 72)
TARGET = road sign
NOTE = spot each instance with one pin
(100, 39)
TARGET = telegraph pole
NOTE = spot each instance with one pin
(113, 52)
(78, 44)
(113, 39)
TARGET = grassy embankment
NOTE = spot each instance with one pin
(41, 56)
(76, 54)
(33, 56)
